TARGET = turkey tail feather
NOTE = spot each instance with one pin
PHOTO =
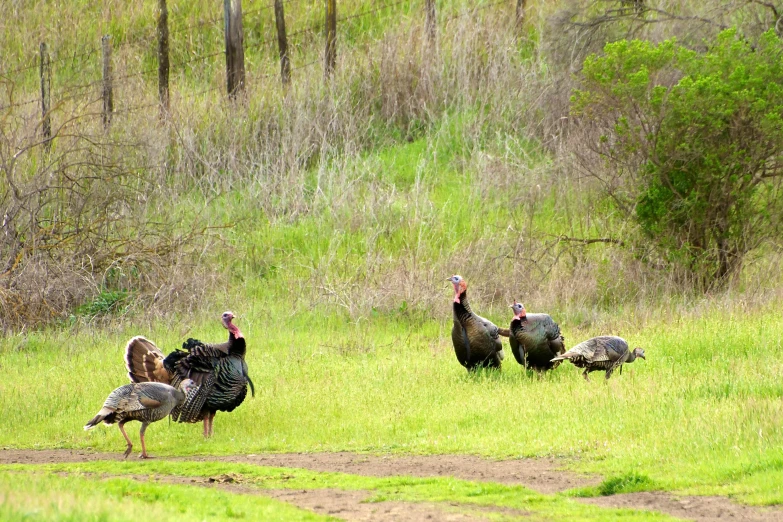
(93, 422)
(144, 362)
(105, 412)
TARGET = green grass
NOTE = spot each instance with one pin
(703, 411)
(489, 495)
(627, 483)
(28, 496)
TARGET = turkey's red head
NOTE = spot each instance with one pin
(519, 310)
(231, 327)
(460, 286)
(638, 352)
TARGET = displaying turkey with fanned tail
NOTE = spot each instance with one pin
(535, 339)
(219, 370)
(601, 353)
(145, 402)
(476, 340)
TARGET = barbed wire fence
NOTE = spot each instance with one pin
(232, 18)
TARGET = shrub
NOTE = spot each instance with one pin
(689, 146)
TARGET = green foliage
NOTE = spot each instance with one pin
(692, 142)
(627, 483)
(106, 302)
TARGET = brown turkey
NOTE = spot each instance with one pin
(535, 339)
(219, 370)
(146, 402)
(605, 352)
(476, 340)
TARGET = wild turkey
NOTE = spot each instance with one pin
(601, 353)
(219, 370)
(146, 402)
(535, 339)
(476, 340)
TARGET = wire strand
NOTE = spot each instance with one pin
(371, 11)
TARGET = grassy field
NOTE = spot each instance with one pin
(337, 213)
(702, 414)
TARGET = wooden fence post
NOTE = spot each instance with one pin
(330, 56)
(430, 23)
(108, 94)
(235, 51)
(520, 12)
(163, 57)
(46, 96)
(282, 43)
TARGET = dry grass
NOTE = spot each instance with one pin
(410, 165)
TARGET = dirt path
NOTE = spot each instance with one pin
(345, 505)
(538, 474)
(702, 509)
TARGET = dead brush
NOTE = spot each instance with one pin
(78, 218)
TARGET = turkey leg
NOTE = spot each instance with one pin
(206, 426)
(143, 446)
(211, 420)
(130, 444)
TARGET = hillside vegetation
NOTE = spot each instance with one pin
(362, 194)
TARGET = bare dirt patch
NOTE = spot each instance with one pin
(701, 509)
(338, 503)
(537, 474)
(12, 456)
(353, 505)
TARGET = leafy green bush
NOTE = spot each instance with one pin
(689, 145)
(107, 302)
